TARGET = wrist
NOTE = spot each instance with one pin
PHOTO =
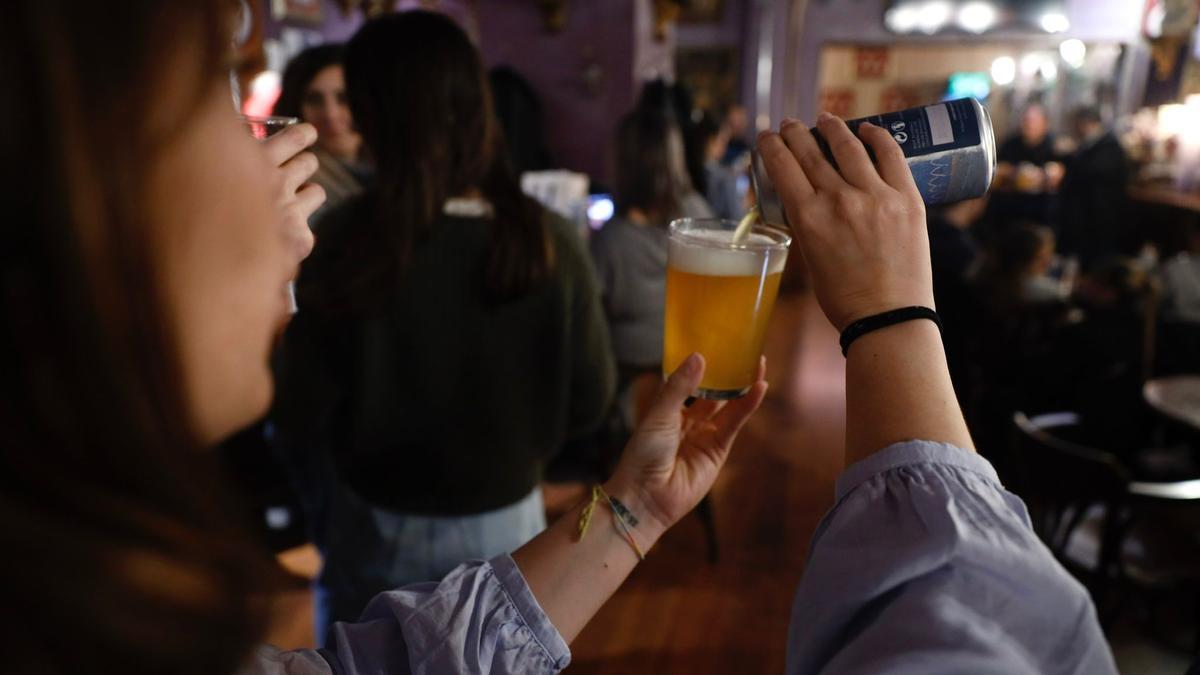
(883, 320)
(915, 299)
(650, 524)
(899, 337)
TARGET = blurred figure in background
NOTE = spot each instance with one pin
(1178, 339)
(1016, 271)
(1094, 205)
(1101, 357)
(452, 336)
(1028, 172)
(520, 113)
(952, 245)
(1181, 282)
(720, 182)
(736, 126)
(651, 188)
(1018, 312)
(674, 101)
(314, 89)
(954, 253)
(1033, 145)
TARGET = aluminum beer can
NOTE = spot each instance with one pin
(950, 148)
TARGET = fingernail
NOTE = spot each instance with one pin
(788, 121)
(824, 117)
(867, 125)
(691, 363)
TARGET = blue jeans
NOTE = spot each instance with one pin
(369, 550)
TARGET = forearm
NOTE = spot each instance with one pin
(898, 388)
(571, 577)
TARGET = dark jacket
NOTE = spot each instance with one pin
(1093, 205)
(433, 400)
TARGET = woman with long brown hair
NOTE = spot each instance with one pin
(651, 188)
(147, 243)
(314, 89)
(442, 292)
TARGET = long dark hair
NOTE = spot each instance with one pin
(299, 74)
(118, 553)
(420, 98)
(648, 166)
(519, 111)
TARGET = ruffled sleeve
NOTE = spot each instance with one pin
(481, 619)
(927, 565)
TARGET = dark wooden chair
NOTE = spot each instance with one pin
(1117, 534)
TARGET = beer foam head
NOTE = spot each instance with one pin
(711, 253)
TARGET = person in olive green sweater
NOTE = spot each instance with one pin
(450, 337)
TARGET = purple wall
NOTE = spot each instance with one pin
(337, 28)
(584, 73)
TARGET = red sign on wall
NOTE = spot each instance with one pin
(872, 62)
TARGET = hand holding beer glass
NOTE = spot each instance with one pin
(285, 140)
(720, 293)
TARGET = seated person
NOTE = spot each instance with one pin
(1016, 270)
(720, 186)
(1100, 359)
(651, 189)
(1181, 283)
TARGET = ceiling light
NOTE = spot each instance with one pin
(932, 16)
(1030, 64)
(1004, 70)
(902, 19)
(1048, 70)
(1055, 22)
(977, 17)
(1073, 52)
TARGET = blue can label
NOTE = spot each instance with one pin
(949, 147)
(942, 144)
(922, 131)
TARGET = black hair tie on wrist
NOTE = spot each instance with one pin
(890, 318)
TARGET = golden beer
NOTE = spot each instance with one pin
(719, 300)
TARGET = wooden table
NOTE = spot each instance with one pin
(1165, 196)
(1176, 397)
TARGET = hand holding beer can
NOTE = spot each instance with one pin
(949, 147)
(720, 293)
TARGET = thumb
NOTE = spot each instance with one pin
(679, 386)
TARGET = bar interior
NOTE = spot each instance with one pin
(601, 343)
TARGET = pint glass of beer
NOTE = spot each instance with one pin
(719, 299)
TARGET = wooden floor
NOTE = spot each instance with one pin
(679, 614)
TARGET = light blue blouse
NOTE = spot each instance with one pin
(924, 565)
(927, 565)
